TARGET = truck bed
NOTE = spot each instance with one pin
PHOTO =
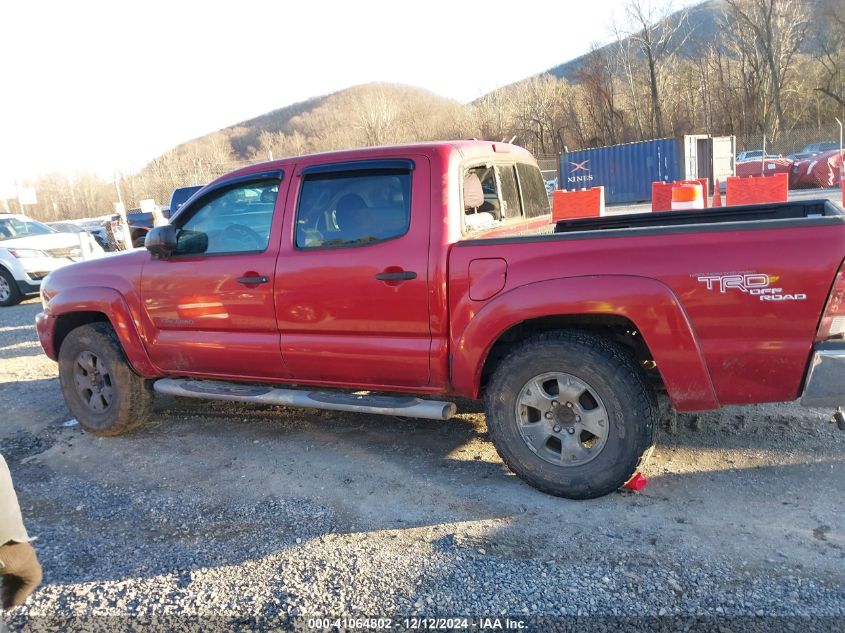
(755, 350)
(781, 215)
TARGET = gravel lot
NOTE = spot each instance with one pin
(252, 517)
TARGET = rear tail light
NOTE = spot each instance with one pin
(833, 318)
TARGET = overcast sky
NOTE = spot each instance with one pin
(109, 85)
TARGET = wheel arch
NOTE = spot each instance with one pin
(69, 321)
(619, 328)
(69, 310)
(639, 312)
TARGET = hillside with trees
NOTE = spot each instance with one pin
(743, 67)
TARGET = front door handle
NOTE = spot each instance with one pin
(397, 276)
(253, 281)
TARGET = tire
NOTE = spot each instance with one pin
(10, 294)
(577, 380)
(100, 389)
(138, 242)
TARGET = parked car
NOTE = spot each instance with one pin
(754, 154)
(65, 227)
(181, 195)
(818, 148)
(822, 170)
(96, 227)
(93, 228)
(29, 250)
(366, 275)
(808, 151)
(767, 167)
(140, 222)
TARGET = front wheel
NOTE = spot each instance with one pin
(571, 413)
(99, 386)
(10, 294)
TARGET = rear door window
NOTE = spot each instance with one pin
(353, 208)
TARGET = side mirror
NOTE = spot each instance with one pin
(161, 241)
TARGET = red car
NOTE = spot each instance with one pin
(821, 170)
(424, 272)
(767, 167)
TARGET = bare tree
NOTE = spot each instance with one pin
(657, 34)
(596, 79)
(769, 33)
(539, 112)
(832, 51)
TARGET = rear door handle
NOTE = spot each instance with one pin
(252, 281)
(400, 276)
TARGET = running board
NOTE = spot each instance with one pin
(405, 406)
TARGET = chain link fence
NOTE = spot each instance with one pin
(811, 156)
(791, 143)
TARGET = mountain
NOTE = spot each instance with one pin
(700, 27)
(369, 114)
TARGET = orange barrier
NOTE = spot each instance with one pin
(757, 189)
(687, 195)
(661, 193)
(661, 196)
(584, 203)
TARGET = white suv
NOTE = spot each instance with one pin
(29, 250)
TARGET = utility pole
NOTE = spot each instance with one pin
(117, 187)
(18, 194)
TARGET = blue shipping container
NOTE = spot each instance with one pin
(625, 171)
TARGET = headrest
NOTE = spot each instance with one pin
(351, 210)
(473, 193)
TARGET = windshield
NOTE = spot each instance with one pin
(11, 228)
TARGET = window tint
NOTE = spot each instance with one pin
(535, 200)
(510, 194)
(353, 208)
(236, 220)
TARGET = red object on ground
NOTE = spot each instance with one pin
(717, 195)
(661, 196)
(757, 190)
(661, 193)
(822, 170)
(636, 483)
(767, 167)
(687, 195)
(584, 203)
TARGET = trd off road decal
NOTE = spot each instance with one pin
(755, 284)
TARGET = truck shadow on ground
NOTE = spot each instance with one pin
(188, 494)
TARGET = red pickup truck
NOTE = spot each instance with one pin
(379, 279)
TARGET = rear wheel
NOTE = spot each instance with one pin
(99, 386)
(10, 294)
(571, 413)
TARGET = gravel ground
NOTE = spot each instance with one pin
(240, 517)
